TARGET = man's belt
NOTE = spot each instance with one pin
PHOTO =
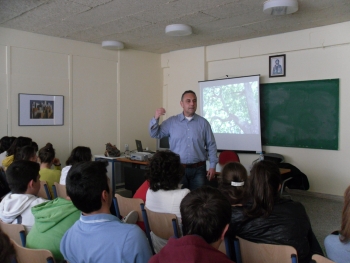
(193, 165)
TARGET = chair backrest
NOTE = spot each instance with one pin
(264, 253)
(126, 205)
(27, 255)
(44, 191)
(228, 156)
(59, 190)
(162, 224)
(16, 232)
(321, 259)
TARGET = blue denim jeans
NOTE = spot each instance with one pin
(194, 177)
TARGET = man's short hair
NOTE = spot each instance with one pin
(20, 173)
(85, 183)
(205, 212)
(187, 91)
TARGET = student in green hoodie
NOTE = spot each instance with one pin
(52, 220)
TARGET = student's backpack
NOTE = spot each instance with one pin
(299, 180)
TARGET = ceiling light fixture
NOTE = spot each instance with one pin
(178, 30)
(112, 44)
(280, 7)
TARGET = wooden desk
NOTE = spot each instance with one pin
(127, 160)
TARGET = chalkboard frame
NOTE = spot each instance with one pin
(315, 105)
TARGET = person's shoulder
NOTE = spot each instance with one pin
(201, 119)
(332, 238)
(39, 200)
(154, 259)
(66, 168)
(184, 191)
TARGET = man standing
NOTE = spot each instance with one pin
(190, 135)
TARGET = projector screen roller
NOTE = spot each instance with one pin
(232, 107)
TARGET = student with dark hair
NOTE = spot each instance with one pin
(164, 194)
(47, 159)
(205, 216)
(99, 236)
(5, 143)
(27, 153)
(23, 179)
(78, 154)
(35, 146)
(233, 183)
(337, 244)
(7, 250)
(270, 219)
(17, 144)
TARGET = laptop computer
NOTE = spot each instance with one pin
(140, 148)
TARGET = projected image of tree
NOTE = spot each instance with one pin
(232, 108)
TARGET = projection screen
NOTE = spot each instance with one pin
(232, 107)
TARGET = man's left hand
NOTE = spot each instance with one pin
(210, 174)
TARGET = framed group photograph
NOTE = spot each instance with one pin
(40, 110)
(277, 66)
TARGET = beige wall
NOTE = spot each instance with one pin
(139, 94)
(319, 53)
(91, 80)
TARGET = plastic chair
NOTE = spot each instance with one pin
(124, 206)
(163, 225)
(228, 156)
(320, 259)
(59, 190)
(27, 255)
(44, 191)
(250, 252)
(16, 232)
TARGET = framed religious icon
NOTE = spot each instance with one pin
(40, 110)
(277, 66)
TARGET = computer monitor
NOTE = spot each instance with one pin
(163, 144)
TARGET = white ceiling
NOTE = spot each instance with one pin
(140, 24)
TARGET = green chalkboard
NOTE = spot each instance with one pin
(303, 114)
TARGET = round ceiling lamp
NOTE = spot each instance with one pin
(112, 44)
(178, 30)
(280, 7)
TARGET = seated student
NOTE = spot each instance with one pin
(17, 144)
(23, 179)
(52, 220)
(99, 236)
(337, 244)
(164, 194)
(233, 183)
(205, 216)
(7, 250)
(26, 153)
(47, 159)
(78, 154)
(270, 219)
(5, 143)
